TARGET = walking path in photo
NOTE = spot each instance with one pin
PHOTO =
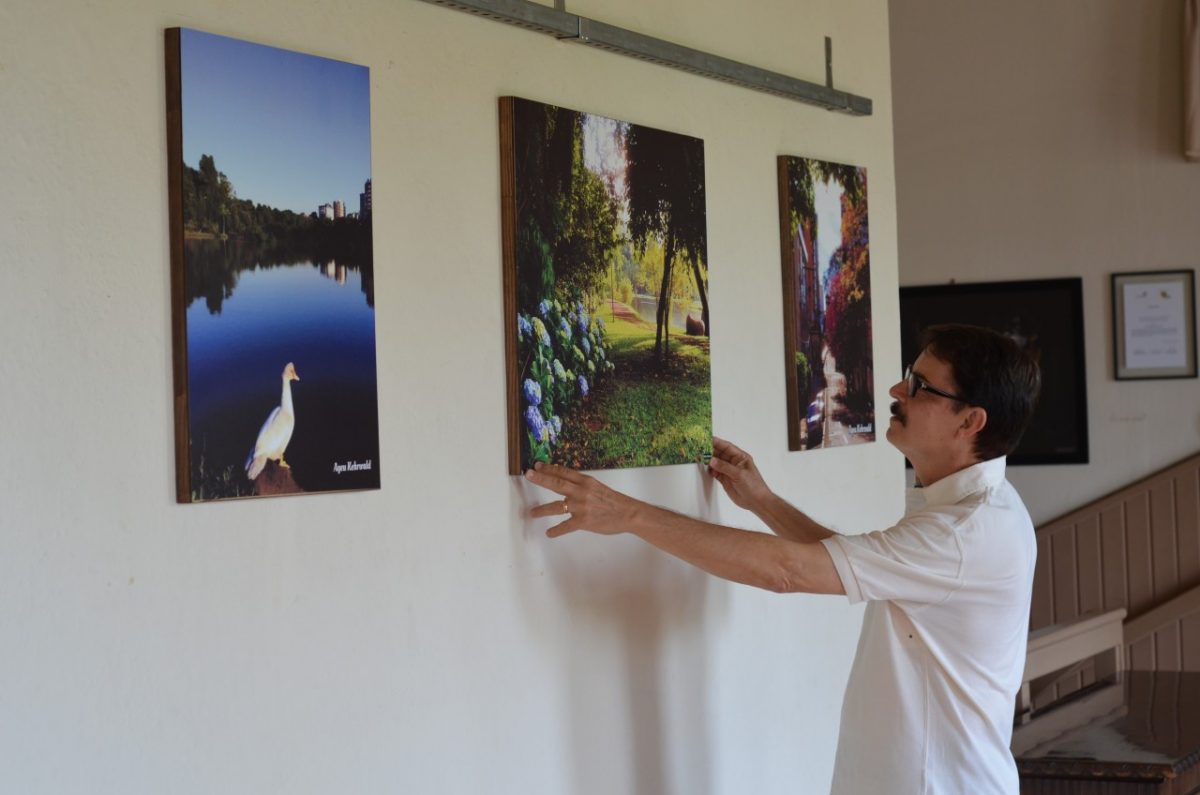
(835, 433)
(648, 411)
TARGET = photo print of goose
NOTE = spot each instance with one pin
(272, 265)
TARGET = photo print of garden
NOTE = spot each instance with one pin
(827, 303)
(272, 270)
(606, 288)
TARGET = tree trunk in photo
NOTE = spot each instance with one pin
(663, 315)
(703, 295)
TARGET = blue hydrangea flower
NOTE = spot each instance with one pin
(556, 424)
(583, 322)
(551, 433)
(571, 317)
(533, 392)
(539, 331)
(537, 426)
(544, 307)
(565, 327)
(600, 323)
(559, 372)
(587, 346)
(583, 387)
(524, 329)
(600, 352)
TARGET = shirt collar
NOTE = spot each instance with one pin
(977, 477)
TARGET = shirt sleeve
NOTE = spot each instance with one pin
(919, 560)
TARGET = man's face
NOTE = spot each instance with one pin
(925, 424)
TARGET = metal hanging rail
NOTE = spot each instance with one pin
(571, 27)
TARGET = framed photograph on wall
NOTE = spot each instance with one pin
(1044, 315)
(605, 290)
(1154, 324)
(272, 271)
(825, 246)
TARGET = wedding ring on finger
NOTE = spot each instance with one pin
(566, 508)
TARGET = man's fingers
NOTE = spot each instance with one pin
(556, 508)
(566, 473)
(722, 466)
(543, 478)
(562, 528)
(726, 448)
(556, 478)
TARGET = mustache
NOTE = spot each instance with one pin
(896, 412)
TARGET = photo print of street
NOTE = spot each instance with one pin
(606, 274)
(827, 303)
(274, 271)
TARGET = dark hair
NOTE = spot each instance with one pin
(991, 371)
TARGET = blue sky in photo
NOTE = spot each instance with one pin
(290, 130)
(827, 200)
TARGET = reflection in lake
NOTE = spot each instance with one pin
(249, 313)
(214, 266)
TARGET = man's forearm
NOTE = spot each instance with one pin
(776, 564)
(788, 521)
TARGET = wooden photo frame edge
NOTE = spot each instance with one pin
(174, 89)
(508, 246)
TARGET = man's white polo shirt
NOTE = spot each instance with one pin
(929, 704)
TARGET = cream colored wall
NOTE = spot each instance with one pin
(424, 637)
(1041, 139)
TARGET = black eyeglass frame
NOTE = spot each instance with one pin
(916, 383)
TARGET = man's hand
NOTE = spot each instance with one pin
(738, 555)
(588, 504)
(734, 469)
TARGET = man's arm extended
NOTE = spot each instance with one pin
(736, 471)
(776, 564)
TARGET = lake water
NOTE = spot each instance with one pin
(646, 307)
(247, 318)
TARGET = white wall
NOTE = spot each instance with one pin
(1039, 139)
(424, 637)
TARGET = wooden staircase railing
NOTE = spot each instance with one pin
(1138, 549)
(1173, 612)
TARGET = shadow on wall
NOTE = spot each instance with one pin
(636, 640)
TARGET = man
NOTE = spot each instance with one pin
(929, 703)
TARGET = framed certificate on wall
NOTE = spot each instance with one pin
(1154, 325)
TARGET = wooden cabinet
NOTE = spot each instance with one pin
(1144, 738)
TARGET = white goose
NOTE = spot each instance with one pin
(276, 432)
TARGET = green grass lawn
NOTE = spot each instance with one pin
(646, 412)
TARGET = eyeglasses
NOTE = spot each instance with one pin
(916, 384)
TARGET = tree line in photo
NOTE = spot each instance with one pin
(211, 208)
(571, 229)
(226, 235)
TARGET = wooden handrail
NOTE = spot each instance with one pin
(1056, 647)
(1166, 613)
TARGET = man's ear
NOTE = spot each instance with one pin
(974, 421)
